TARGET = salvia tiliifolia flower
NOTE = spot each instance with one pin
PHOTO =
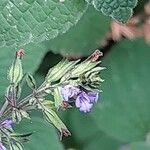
(7, 123)
(83, 98)
(2, 147)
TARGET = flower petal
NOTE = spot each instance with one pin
(7, 123)
(78, 102)
(93, 96)
(86, 107)
(69, 91)
(2, 147)
(83, 102)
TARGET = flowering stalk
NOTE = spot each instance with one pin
(71, 83)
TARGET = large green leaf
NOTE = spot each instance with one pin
(124, 111)
(83, 38)
(139, 146)
(101, 141)
(25, 21)
(80, 125)
(120, 10)
(44, 136)
(85, 133)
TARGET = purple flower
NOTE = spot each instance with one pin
(7, 123)
(69, 91)
(83, 98)
(2, 147)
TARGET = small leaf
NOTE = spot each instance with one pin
(16, 115)
(120, 10)
(52, 117)
(31, 81)
(21, 137)
(16, 146)
(24, 114)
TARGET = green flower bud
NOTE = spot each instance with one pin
(58, 71)
(85, 66)
(92, 78)
(15, 73)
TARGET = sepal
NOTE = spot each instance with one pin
(31, 81)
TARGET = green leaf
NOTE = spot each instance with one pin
(80, 125)
(120, 10)
(101, 141)
(123, 111)
(53, 118)
(85, 133)
(44, 136)
(83, 38)
(139, 146)
(26, 21)
(31, 81)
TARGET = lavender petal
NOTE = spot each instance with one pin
(2, 147)
(93, 96)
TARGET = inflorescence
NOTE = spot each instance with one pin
(70, 83)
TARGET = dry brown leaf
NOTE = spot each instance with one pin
(146, 30)
(129, 30)
(147, 8)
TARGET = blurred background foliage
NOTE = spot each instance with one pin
(121, 119)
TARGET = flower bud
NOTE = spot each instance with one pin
(82, 68)
(15, 73)
(92, 78)
(90, 63)
(58, 71)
